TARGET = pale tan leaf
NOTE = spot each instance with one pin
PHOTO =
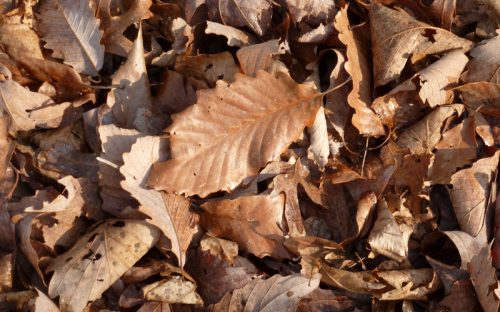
(277, 293)
(314, 12)
(485, 63)
(251, 221)
(235, 37)
(131, 103)
(319, 148)
(173, 290)
(396, 35)
(97, 260)
(471, 191)
(169, 212)
(259, 56)
(422, 136)
(71, 30)
(482, 96)
(42, 303)
(387, 237)
(29, 109)
(115, 142)
(357, 65)
(233, 131)
(483, 129)
(19, 41)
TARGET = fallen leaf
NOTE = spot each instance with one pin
(277, 293)
(284, 113)
(97, 260)
(169, 212)
(131, 102)
(396, 36)
(456, 149)
(260, 56)
(357, 65)
(314, 12)
(442, 12)
(482, 96)
(71, 30)
(209, 67)
(483, 277)
(484, 65)
(252, 221)
(235, 37)
(470, 194)
(319, 148)
(172, 290)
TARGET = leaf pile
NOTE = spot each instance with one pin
(249, 155)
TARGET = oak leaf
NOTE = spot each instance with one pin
(235, 37)
(232, 132)
(72, 31)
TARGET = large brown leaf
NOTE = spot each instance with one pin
(71, 30)
(485, 63)
(169, 212)
(233, 131)
(396, 35)
(97, 260)
(357, 65)
(483, 96)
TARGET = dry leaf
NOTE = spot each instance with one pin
(209, 67)
(483, 277)
(97, 260)
(169, 212)
(254, 222)
(131, 102)
(278, 293)
(396, 35)
(484, 65)
(357, 65)
(482, 96)
(470, 194)
(319, 148)
(172, 290)
(455, 150)
(235, 37)
(71, 30)
(260, 56)
(273, 120)
(312, 11)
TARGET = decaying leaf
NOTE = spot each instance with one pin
(484, 65)
(272, 119)
(72, 31)
(260, 56)
(313, 11)
(482, 96)
(97, 260)
(172, 290)
(235, 37)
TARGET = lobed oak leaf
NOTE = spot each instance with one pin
(396, 35)
(169, 212)
(97, 260)
(232, 132)
(357, 65)
(277, 293)
(71, 30)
